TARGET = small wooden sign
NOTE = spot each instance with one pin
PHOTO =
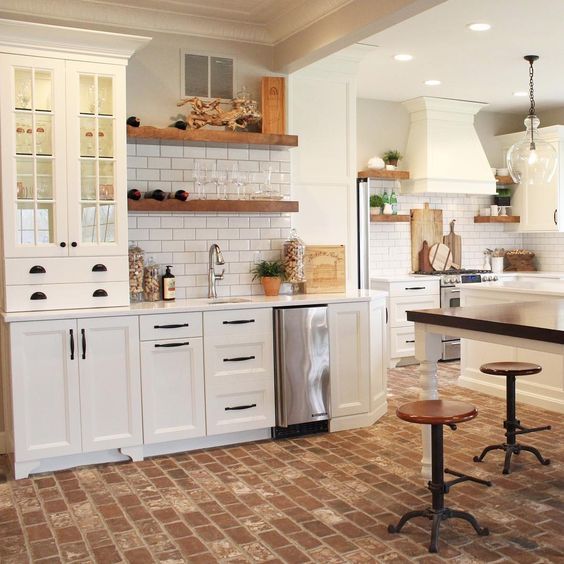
(273, 104)
(325, 269)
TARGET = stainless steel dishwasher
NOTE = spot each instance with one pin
(301, 349)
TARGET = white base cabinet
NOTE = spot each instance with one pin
(75, 386)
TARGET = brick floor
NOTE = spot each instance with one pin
(323, 499)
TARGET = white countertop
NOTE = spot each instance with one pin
(403, 277)
(540, 285)
(202, 304)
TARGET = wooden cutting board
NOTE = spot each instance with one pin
(426, 225)
(440, 257)
(454, 243)
(424, 262)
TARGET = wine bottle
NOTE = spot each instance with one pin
(156, 195)
(169, 285)
(181, 195)
(134, 194)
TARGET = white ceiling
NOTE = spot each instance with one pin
(481, 66)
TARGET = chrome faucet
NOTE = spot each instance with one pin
(216, 257)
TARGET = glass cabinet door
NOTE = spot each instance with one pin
(96, 161)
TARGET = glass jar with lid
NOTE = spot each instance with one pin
(152, 281)
(294, 258)
(136, 263)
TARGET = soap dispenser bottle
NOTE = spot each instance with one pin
(169, 285)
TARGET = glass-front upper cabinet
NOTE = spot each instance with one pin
(32, 107)
(96, 159)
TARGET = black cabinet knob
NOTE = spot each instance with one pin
(62, 244)
(74, 244)
(99, 268)
(37, 269)
(100, 294)
(38, 296)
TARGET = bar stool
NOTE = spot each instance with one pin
(438, 413)
(512, 425)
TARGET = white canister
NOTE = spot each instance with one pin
(497, 265)
(494, 210)
(388, 210)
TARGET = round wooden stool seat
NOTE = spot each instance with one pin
(510, 368)
(436, 412)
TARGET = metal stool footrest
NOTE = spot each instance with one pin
(463, 478)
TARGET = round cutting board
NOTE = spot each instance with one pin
(440, 257)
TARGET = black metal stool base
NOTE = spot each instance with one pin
(438, 516)
(511, 450)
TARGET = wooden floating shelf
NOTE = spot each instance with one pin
(497, 219)
(381, 218)
(384, 174)
(504, 180)
(234, 206)
(211, 136)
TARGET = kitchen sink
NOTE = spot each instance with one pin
(228, 301)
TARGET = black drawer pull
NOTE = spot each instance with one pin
(172, 344)
(238, 322)
(37, 269)
(239, 358)
(412, 341)
(99, 268)
(38, 296)
(416, 288)
(100, 294)
(175, 326)
(71, 343)
(237, 407)
(83, 333)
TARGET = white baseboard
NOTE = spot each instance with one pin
(357, 421)
(2, 443)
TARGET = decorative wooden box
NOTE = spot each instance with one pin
(325, 269)
(520, 261)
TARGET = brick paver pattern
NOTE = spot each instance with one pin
(325, 498)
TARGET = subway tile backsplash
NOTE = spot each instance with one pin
(183, 240)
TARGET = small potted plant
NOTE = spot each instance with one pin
(270, 274)
(503, 196)
(392, 157)
(376, 204)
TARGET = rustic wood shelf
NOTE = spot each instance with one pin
(504, 180)
(212, 136)
(497, 219)
(234, 206)
(381, 218)
(384, 174)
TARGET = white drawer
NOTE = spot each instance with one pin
(66, 296)
(248, 406)
(170, 326)
(400, 306)
(402, 342)
(238, 322)
(238, 359)
(415, 288)
(64, 270)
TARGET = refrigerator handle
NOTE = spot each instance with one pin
(363, 220)
(281, 415)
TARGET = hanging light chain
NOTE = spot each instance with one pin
(531, 89)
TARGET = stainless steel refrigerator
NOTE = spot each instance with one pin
(301, 345)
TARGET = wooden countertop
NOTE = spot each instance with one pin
(539, 321)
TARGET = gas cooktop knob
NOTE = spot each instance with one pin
(486, 278)
(495, 278)
(456, 279)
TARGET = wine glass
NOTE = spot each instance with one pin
(200, 178)
(221, 184)
(241, 180)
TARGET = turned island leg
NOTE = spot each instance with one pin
(427, 351)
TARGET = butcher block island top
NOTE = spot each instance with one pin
(539, 321)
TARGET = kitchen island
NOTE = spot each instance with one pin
(535, 326)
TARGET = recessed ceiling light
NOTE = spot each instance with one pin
(403, 57)
(520, 93)
(479, 26)
(432, 82)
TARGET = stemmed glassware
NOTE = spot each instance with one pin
(200, 180)
(221, 184)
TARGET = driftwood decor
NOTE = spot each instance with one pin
(242, 113)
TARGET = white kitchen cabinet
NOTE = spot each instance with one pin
(404, 295)
(172, 376)
(63, 158)
(539, 207)
(349, 345)
(75, 386)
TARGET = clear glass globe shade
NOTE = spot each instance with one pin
(532, 159)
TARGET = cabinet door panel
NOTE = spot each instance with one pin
(110, 387)
(172, 375)
(45, 387)
(97, 213)
(349, 330)
(33, 156)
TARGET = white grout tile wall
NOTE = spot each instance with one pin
(390, 243)
(183, 240)
(548, 248)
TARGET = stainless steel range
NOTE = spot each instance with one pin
(450, 282)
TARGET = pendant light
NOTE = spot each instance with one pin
(532, 160)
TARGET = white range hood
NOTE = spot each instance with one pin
(444, 153)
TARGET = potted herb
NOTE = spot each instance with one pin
(376, 204)
(270, 274)
(503, 197)
(392, 157)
